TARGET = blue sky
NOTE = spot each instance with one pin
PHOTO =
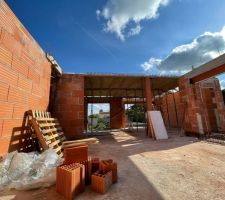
(126, 36)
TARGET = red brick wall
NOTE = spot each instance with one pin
(117, 113)
(24, 77)
(199, 101)
(171, 109)
(69, 105)
(218, 99)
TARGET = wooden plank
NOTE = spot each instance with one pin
(73, 144)
(59, 148)
(46, 119)
(49, 124)
(50, 137)
(48, 142)
(39, 134)
(51, 130)
(86, 140)
(54, 143)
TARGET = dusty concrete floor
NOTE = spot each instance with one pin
(175, 169)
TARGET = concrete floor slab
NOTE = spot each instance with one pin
(174, 169)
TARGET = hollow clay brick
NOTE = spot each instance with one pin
(70, 180)
(101, 182)
(109, 165)
(75, 154)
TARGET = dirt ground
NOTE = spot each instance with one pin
(180, 168)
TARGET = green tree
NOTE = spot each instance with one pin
(93, 116)
(101, 125)
(136, 113)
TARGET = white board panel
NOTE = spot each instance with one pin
(158, 125)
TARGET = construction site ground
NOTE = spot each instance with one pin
(174, 169)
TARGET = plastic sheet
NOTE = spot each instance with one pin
(25, 171)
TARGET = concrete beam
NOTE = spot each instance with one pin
(207, 70)
(208, 74)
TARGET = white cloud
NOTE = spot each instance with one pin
(120, 15)
(150, 64)
(135, 31)
(201, 50)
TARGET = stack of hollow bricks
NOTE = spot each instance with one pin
(77, 165)
(70, 177)
(25, 75)
(79, 155)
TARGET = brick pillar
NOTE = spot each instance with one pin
(69, 105)
(85, 115)
(117, 113)
(148, 96)
(198, 101)
(220, 106)
(192, 120)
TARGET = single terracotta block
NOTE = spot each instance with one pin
(75, 154)
(101, 182)
(109, 165)
(70, 180)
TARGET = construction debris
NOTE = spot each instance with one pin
(24, 171)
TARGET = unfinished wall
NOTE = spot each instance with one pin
(203, 105)
(24, 79)
(69, 105)
(170, 106)
(117, 113)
